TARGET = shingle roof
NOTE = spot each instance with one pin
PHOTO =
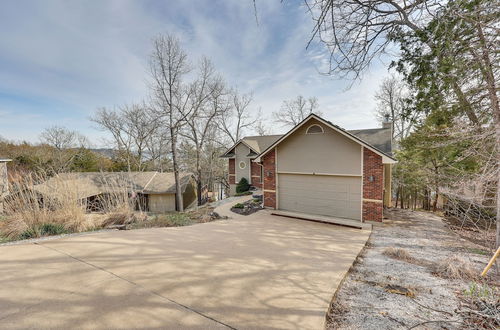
(260, 143)
(379, 138)
(86, 184)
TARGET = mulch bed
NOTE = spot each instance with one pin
(248, 208)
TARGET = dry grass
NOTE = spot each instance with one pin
(399, 254)
(30, 214)
(335, 315)
(456, 268)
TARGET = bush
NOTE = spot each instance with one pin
(245, 193)
(45, 229)
(165, 220)
(48, 229)
(242, 186)
(239, 206)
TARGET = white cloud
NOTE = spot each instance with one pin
(77, 56)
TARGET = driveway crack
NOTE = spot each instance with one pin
(138, 285)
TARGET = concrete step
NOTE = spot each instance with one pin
(324, 219)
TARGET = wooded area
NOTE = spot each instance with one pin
(444, 101)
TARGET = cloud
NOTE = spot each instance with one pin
(61, 60)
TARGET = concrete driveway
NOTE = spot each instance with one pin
(254, 272)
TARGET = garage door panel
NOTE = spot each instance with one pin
(325, 195)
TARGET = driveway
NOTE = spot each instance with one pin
(254, 272)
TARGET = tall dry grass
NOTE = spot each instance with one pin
(60, 206)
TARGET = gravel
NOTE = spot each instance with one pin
(365, 300)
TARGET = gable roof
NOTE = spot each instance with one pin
(257, 144)
(386, 157)
(380, 138)
(86, 184)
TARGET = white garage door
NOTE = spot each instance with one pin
(334, 196)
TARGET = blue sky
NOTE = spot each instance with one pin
(60, 60)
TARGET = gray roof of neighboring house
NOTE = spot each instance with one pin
(379, 138)
(85, 184)
(260, 143)
(257, 143)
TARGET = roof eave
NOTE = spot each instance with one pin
(386, 159)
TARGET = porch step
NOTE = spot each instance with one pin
(324, 219)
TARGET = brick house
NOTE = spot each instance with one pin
(318, 168)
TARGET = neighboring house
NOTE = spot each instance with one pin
(153, 191)
(4, 181)
(320, 168)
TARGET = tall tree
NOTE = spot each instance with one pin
(236, 118)
(392, 105)
(168, 67)
(450, 65)
(294, 111)
(207, 104)
(131, 127)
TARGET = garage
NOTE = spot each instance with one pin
(335, 196)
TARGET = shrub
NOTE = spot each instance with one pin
(245, 193)
(242, 186)
(45, 229)
(165, 220)
(239, 206)
(48, 229)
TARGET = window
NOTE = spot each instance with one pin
(314, 129)
(243, 165)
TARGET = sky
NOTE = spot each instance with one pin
(61, 60)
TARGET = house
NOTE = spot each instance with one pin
(153, 191)
(240, 157)
(318, 168)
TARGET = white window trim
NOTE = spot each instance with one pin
(322, 129)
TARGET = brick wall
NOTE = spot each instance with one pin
(373, 211)
(255, 172)
(269, 188)
(372, 190)
(232, 171)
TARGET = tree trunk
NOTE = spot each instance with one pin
(198, 177)
(178, 191)
(492, 94)
(397, 196)
(434, 203)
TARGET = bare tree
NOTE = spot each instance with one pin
(131, 126)
(357, 31)
(294, 111)
(64, 141)
(59, 137)
(391, 104)
(260, 127)
(168, 66)
(206, 105)
(236, 117)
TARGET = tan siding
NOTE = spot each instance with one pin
(189, 195)
(387, 185)
(161, 203)
(324, 195)
(329, 152)
(241, 152)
